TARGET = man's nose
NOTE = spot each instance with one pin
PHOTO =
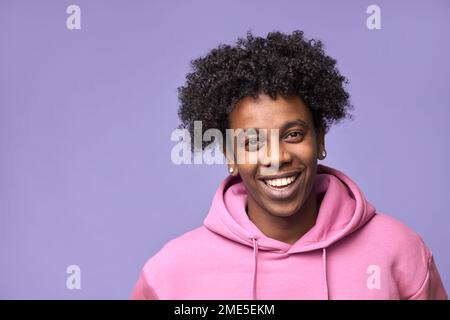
(276, 156)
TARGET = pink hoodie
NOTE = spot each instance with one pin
(352, 252)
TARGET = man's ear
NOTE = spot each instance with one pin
(232, 169)
(224, 149)
(228, 153)
(320, 138)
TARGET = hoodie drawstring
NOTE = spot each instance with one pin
(255, 265)
(324, 260)
(255, 260)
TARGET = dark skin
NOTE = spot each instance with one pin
(282, 216)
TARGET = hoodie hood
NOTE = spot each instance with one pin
(343, 210)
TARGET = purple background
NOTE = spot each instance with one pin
(86, 117)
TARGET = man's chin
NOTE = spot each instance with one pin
(282, 211)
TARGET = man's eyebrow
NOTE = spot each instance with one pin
(297, 122)
(287, 125)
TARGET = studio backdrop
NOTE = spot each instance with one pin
(88, 103)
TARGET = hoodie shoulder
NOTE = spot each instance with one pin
(166, 264)
(410, 257)
(398, 234)
(174, 253)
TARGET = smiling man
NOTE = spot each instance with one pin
(296, 229)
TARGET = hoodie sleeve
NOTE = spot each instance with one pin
(432, 287)
(142, 290)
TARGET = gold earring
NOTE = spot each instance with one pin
(323, 155)
(231, 170)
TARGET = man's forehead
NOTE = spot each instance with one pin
(279, 124)
(267, 115)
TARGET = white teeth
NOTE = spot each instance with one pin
(281, 182)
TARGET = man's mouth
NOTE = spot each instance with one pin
(282, 187)
(280, 183)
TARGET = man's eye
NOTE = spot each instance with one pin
(251, 143)
(295, 135)
(254, 144)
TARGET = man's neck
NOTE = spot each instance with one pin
(285, 229)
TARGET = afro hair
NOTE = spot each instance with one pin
(278, 64)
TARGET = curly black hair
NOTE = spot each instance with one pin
(278, 64)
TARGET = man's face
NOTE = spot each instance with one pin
(280, 183)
